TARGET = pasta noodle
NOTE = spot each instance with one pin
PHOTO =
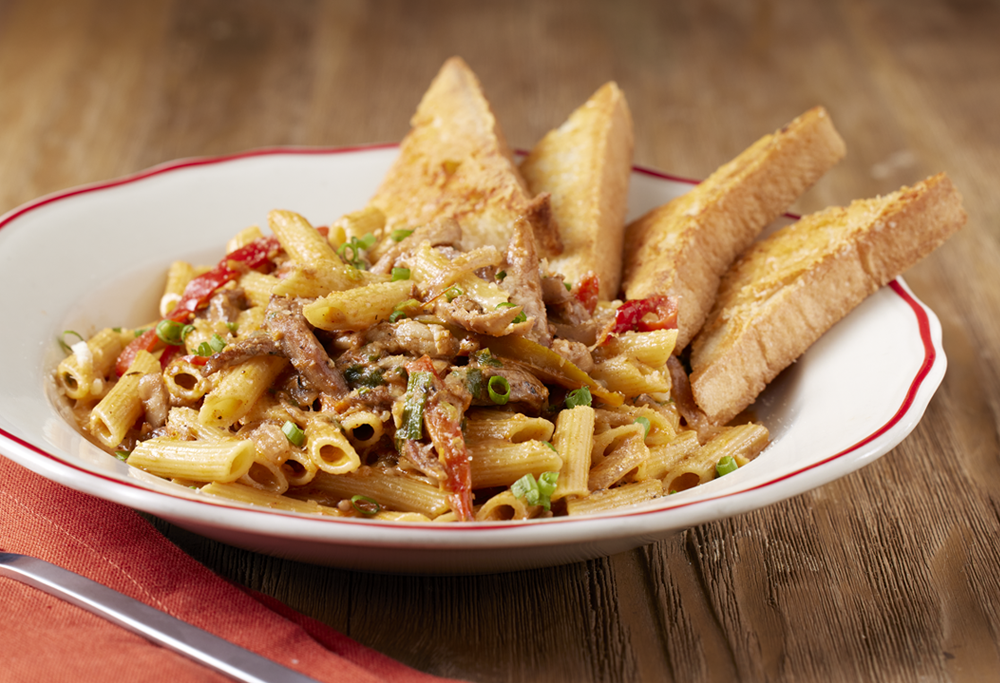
(407, 381)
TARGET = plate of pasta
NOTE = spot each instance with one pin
(360, 414)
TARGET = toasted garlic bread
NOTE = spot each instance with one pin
(683, 247)
(784, 292)
(585, 166)
(455, 163)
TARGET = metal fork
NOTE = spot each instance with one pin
(159, 627)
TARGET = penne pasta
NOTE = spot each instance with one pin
(407, 368)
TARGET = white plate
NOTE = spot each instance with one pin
(96, 256)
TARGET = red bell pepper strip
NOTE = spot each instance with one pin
(199, 290)
(146, 341)
(444, 425)
(195, 359)
(256, 254)
(587, 291)
(631, 315)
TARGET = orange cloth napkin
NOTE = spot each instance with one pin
(45, 639)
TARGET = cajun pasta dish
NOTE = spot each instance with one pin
(453, 351)
(317, 370)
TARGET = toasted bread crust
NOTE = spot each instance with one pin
(455, 163)
(683, 247)
(789, 289)
(585, 166)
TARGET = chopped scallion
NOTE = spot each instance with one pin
(365, 505)
(400, 274)
(519, 318)
(725, 466)
(170, 332)
(536, 492)
(293, 433)
(499, 389)
(66, 346)
(644, 421)
(400, 235)
(579, 397)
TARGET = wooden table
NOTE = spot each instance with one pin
(890, 573)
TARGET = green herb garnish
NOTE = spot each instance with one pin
(363, 376)
(536, 492)
(212, 346)
(418, 387)
(68, 348)
(486, 357)
(644, 421)
(293, 433)
(365, 505)
(519, 318)
(725, 466)
(170, 332)
(499, 389)
(351, 250)
(579, 397)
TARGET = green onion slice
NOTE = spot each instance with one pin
(579, 397)
(536, 492)
(400, 274)
(644, 421)
(519, 318)
(399, 235)
(499, 389)
(547, 482)
(66, 346)
(453, 293)
(725, 466)
(170, 332)
(293, 433)
(365, 505)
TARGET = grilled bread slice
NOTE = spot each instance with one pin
(455, 163)
(585, 166)
(683, 247)
(784, 292)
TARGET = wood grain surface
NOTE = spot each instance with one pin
(888, 574)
